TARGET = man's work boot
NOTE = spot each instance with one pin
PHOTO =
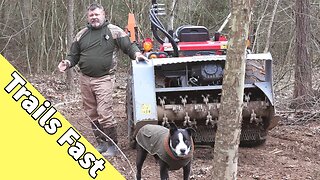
(112, 149)
(100, 138)
(102, 147)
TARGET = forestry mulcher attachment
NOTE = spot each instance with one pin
(182, 83)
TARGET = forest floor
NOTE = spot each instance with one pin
(291, 151)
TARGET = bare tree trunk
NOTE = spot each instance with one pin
(172, 14)
(256, 39)
(42, 43)
(189, 11)
(26, 17)
(230, 114)
(70, 27)
(303, 79)
(266, 49)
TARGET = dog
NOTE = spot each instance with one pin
(173, 148)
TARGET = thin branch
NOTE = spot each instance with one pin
(13, 35)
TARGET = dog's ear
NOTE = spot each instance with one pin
(191, 131)
(173, 127)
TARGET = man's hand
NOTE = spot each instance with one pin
(63, 65)
(140, 56)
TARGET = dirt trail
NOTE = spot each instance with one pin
(290, 153)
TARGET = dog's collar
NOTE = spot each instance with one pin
(171, 152)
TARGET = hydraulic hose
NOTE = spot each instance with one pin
(155, 23)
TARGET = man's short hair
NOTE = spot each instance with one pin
(94, 6)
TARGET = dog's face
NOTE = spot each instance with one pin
(180, 140)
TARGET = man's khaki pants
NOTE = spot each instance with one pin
(97, 99)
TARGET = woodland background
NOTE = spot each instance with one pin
(33, 33)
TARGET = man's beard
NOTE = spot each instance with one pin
(96, 23)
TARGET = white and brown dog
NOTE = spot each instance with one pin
(173, 148)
